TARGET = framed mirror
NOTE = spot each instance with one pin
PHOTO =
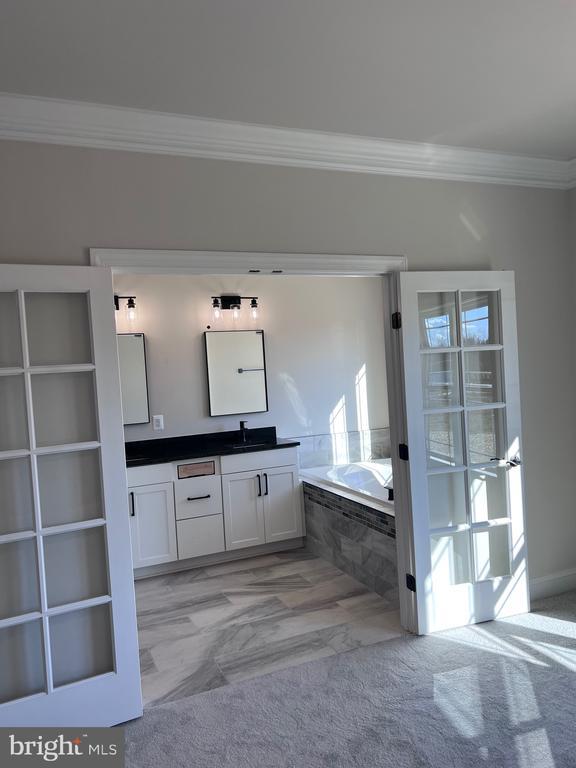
(133, 379)
(236, 366)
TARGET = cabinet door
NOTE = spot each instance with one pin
(152, 524)
(282, 508)
(243, 510)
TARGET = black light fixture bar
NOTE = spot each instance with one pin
(233, 300)
(131, 300)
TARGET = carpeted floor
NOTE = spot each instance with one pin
(499, 694)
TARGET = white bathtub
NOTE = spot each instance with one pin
(367, 482)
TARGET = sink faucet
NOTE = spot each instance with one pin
(243, 431)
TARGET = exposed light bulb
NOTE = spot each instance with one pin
(216, 311)
(236, 313)
(131, 313)
(254, 309)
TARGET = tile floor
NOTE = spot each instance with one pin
(208, 627)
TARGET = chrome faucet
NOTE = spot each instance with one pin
(243, 431)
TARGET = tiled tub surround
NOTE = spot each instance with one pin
(343, 447)
(359, 540)
(207, 627)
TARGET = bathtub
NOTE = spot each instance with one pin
(367, 482)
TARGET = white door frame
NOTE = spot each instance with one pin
(130, 261)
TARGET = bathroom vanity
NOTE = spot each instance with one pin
(202, 498)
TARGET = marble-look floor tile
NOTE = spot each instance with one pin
(367, 604)
(203, 645)
(204, 628)
(321, 595)
(233, 613)
(295, 554)
(290, 567)
(273, 656)
(299, 623)
(146, 662)
(365, 630)
(154, 634)
(268, 587)
(180, 682)
(175, 610)
(247, 564)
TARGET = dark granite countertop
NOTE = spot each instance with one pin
(166, 450)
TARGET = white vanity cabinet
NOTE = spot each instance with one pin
(243, 509)
(282, 507)
(200, 530)
(244, 500)
(152, 524)
(261, 502)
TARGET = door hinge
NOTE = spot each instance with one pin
(396, 321)
(411, 582)
(403, 451)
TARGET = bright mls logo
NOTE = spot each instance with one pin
(89, 746)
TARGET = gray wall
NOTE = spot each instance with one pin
(324, 339)
(56, 202)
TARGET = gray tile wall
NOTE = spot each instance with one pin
(359, 540)
(319, 450)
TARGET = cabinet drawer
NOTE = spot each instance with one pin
(246, 462)
(200, 536)
(198, 497)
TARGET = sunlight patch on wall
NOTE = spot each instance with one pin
(338, 431)
(362, 414)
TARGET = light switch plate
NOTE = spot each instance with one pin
(158, 423)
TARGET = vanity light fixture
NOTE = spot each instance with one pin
(130, 308)
(231, 301)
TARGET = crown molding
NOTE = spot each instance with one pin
(82, 124)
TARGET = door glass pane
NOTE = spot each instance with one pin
(76, 566)
(22, 654)
(16, 503)
(480, 318)
(444, 439)
(447, 499)
(483, 377)
(81, 644)
(488, 494)
(19, 592)
(485, 435)
(437, 320)
(58, 328)
(13, 420)
(10, 340)
(491, 553)
(440, 380)
(70, 487)
(64, 408)
(450, 559)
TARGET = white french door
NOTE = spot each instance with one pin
(68, 639)
(457, 463)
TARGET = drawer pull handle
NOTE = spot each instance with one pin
(132, 509)
(198, 498)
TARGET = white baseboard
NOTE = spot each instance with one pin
(554, 584)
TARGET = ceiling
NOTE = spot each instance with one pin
(498, 75)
